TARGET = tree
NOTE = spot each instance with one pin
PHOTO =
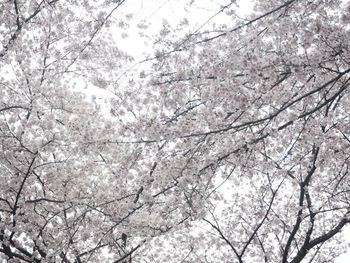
(232, 146)
(70, 191)
(259, 107)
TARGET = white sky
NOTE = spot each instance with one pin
(154, 13)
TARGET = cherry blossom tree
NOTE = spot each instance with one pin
(230, 144)
(70, 190)
(254, 119)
